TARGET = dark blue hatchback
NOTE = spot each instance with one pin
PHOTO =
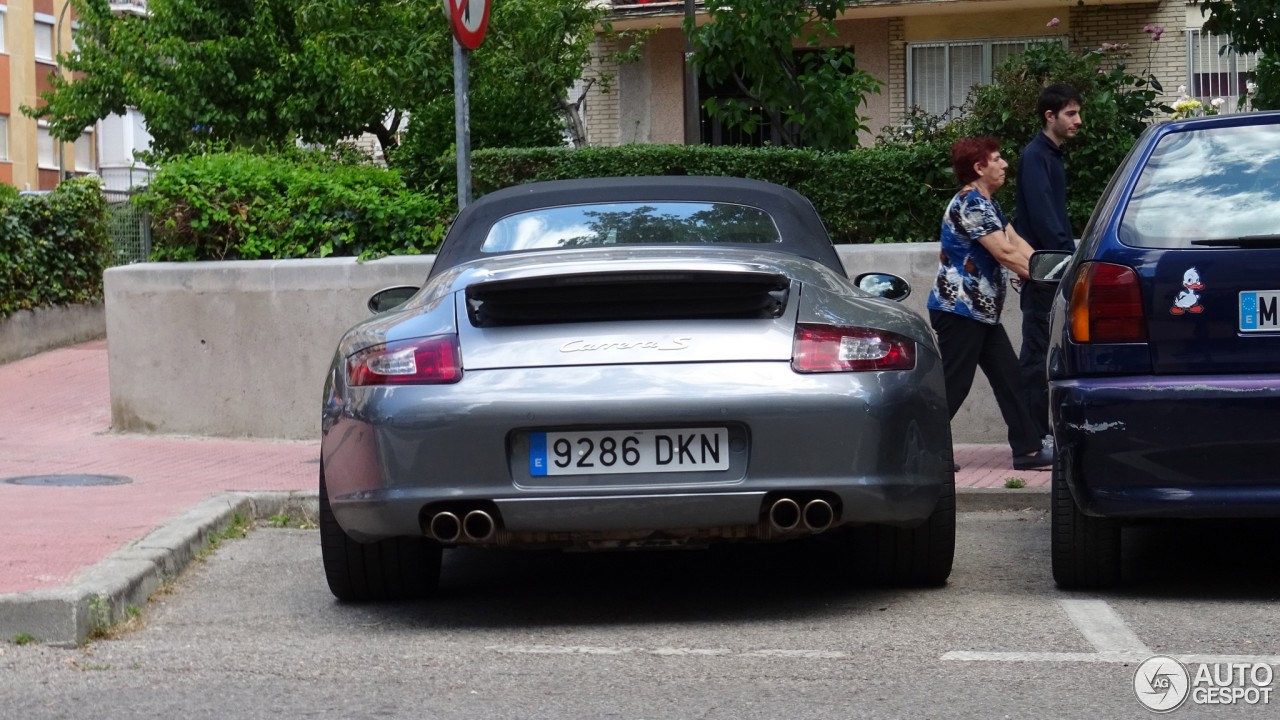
(1164, 358)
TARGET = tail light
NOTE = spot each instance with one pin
(827, 348)
(1106, 305)
(421, 361)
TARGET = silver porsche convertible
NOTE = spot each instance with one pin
(631, 363)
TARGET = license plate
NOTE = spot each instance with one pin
(612, 452)
(1258, 311)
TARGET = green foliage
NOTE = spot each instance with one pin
(53, 247)
(812, 96)
(1254, 26)
(533, 51)
(886, 194)
(242, 205)
(1118, 106)
(261, 73)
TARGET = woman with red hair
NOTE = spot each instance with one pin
(978, 245)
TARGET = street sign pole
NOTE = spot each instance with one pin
(462, 122)
(470, 20)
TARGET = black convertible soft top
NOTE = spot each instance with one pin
(798, 223)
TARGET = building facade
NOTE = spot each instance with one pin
(926, 53)
(33, 33)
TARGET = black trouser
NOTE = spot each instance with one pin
(1036, 302)
(967, 345)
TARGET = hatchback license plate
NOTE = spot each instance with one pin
(614, 452)
(1258, 311)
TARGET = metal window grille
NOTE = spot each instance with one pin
(940, 75)
(1217, 71)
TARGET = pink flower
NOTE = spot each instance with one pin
(1155, 31)
(1053, 23)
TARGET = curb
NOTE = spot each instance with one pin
(101, 595)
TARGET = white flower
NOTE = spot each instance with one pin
(1182, 89)
(1251, 87)
(1217, 102)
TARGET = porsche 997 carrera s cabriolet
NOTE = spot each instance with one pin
(631, 363)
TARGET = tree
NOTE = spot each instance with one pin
(1118, 106)
(1254, 26)
(267, 72)
(520, 79)
(772, 53)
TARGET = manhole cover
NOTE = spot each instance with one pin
(68, 480)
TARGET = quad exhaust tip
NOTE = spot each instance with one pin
(478, 526)
(474, 526)
(784, 514)
(818, 515)
(445, 527)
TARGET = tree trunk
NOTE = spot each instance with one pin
(573, 116)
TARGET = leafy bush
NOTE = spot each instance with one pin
(53, 247)
(1118, 106)
(891, 194)
(240, 205)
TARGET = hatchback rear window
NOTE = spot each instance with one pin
(1209, 184)
(631, 223)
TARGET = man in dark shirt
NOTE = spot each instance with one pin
(1041, 219)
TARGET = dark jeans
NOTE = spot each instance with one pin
(967, 345)
(1036, 302)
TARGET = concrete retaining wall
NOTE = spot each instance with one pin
(239, 349)
(28, 332)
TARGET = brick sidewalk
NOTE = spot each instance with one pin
(59, 424)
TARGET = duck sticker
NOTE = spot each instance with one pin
(1188, 300)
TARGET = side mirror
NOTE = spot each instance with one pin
(884, 285)
(1047, 266)
(391, 298)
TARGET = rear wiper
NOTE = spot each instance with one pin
(1245, 241)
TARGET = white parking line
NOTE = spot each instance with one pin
(1107, 657)
(1102, 627)
(665, 651)
(1111, 638)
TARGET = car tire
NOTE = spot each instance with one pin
(393, 569)
(1084, 550)
(920, 556)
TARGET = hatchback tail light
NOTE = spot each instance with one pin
(421, 361)
(827, 348)
(1106, 305)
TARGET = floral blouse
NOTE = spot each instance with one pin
(970, 281)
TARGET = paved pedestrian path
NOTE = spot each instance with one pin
(57, 422)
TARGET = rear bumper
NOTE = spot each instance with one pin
(1171, 447)
(877, 445)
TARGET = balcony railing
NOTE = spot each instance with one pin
(650, 7)
(128, 7)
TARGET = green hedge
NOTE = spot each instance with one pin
(242, 205)
(881, 194)
(53, 247)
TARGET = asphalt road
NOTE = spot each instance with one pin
(758, 632)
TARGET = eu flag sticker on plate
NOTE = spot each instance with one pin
(1248, 311)
(537, 454)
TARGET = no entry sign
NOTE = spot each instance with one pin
(470, 19)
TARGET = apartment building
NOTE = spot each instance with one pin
(926, 53)
(32, 35)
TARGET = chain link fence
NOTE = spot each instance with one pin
(130, 228)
